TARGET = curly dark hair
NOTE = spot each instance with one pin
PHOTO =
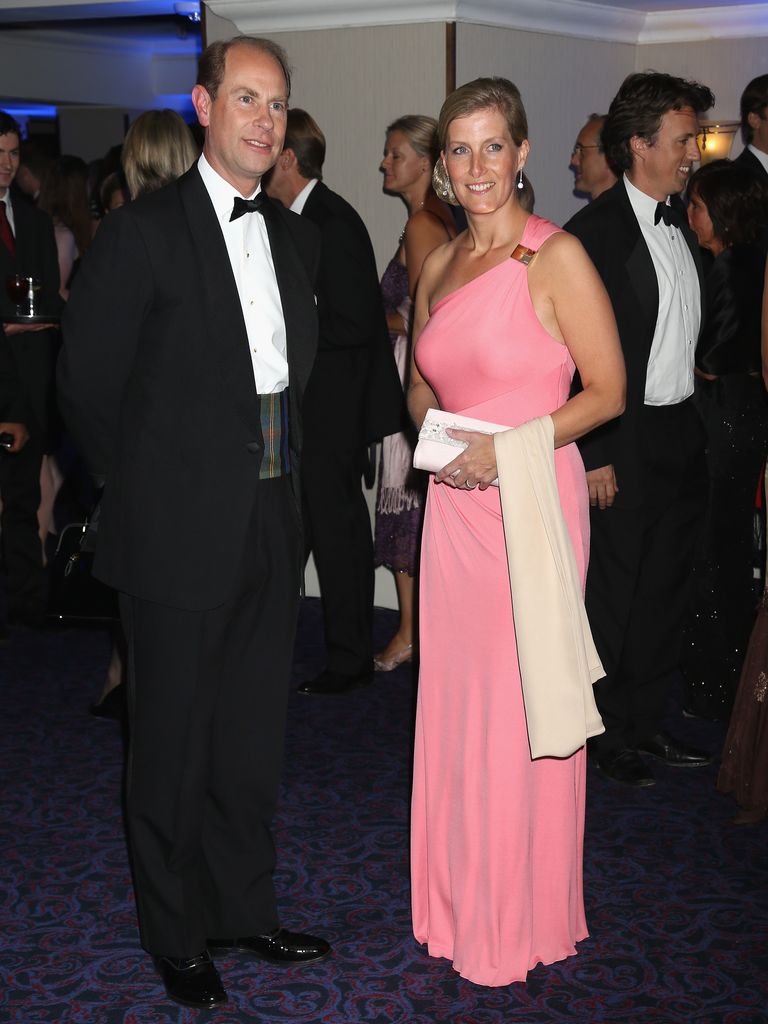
(9, 125)
(736, 200)
(754, 100)
(638, 107)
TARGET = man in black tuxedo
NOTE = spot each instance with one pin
(645, 470)
(27, 247)
(754, 125)
(188, 342)
(353, 397)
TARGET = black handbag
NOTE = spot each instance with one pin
(75, 594)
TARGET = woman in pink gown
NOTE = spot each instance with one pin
(496, 848)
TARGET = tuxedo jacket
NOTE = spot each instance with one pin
(748, 159)
(156, 384)
(354, 394)
(27, 360)
(609, 231)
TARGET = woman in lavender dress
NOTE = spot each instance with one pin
(409, 155)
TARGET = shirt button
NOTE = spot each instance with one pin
(251, 302)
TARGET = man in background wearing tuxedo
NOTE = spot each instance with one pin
(645, 470)
(27, 247)
(189, 337)
(754, 125)
(353, 397)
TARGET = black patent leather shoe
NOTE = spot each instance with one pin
(664, 748)
(281, 947)
(193, 981)
(331, 683)
(625, 766)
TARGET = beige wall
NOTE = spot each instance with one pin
(562, 80)
(725, 65)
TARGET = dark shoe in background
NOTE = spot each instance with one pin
(673, 752)
(193, 981)
(112, 705)
(625, 766)
(328, 683)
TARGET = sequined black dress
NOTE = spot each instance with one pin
(734, 409)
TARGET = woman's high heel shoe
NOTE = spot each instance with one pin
(382, 664)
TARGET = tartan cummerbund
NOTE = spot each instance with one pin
(274, 429)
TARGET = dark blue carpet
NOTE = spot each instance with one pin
(677, 897)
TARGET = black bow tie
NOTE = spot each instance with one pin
(259, 203)
(668, 214)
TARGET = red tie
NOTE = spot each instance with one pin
(6, 235)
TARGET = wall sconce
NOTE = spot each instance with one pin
(715, 139)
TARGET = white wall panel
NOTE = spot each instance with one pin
(562, 81)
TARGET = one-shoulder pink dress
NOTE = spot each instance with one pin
(496, 838)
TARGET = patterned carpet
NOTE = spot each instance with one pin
(677, 897)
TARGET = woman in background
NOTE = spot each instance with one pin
(744, 769)
(410, 153)
(158, 149)
(63, 195)
(725, 209)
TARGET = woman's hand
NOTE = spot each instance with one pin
(476, 466)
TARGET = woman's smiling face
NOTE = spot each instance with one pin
(482, 160)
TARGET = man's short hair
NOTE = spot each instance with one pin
(591, 120)
(754, 100)
(9, 125)
(210, 68)
(303, 136)
(638, 107)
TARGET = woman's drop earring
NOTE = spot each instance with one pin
(520, 178)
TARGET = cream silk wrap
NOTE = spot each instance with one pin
(557, 656)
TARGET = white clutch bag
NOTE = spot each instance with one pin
(436, 449)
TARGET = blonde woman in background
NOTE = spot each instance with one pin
(410, 153)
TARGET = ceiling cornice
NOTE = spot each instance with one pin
(578, 18)
(740, 21)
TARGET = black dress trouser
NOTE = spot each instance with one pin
(337, 530)
(638, 582)
(208, 692)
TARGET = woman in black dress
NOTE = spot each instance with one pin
(726, 210)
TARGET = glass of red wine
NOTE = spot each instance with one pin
(23, 291)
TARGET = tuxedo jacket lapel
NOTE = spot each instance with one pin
(296, 296)
(639, 265)
(220, 301)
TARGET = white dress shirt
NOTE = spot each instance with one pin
(298, 203)
(254, 272)
(669, 378)
(761, 156)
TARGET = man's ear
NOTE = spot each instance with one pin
(201, 101)
(753, 120)
(287, 158)
(638, 144)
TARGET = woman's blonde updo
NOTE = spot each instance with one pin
(421, 132)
